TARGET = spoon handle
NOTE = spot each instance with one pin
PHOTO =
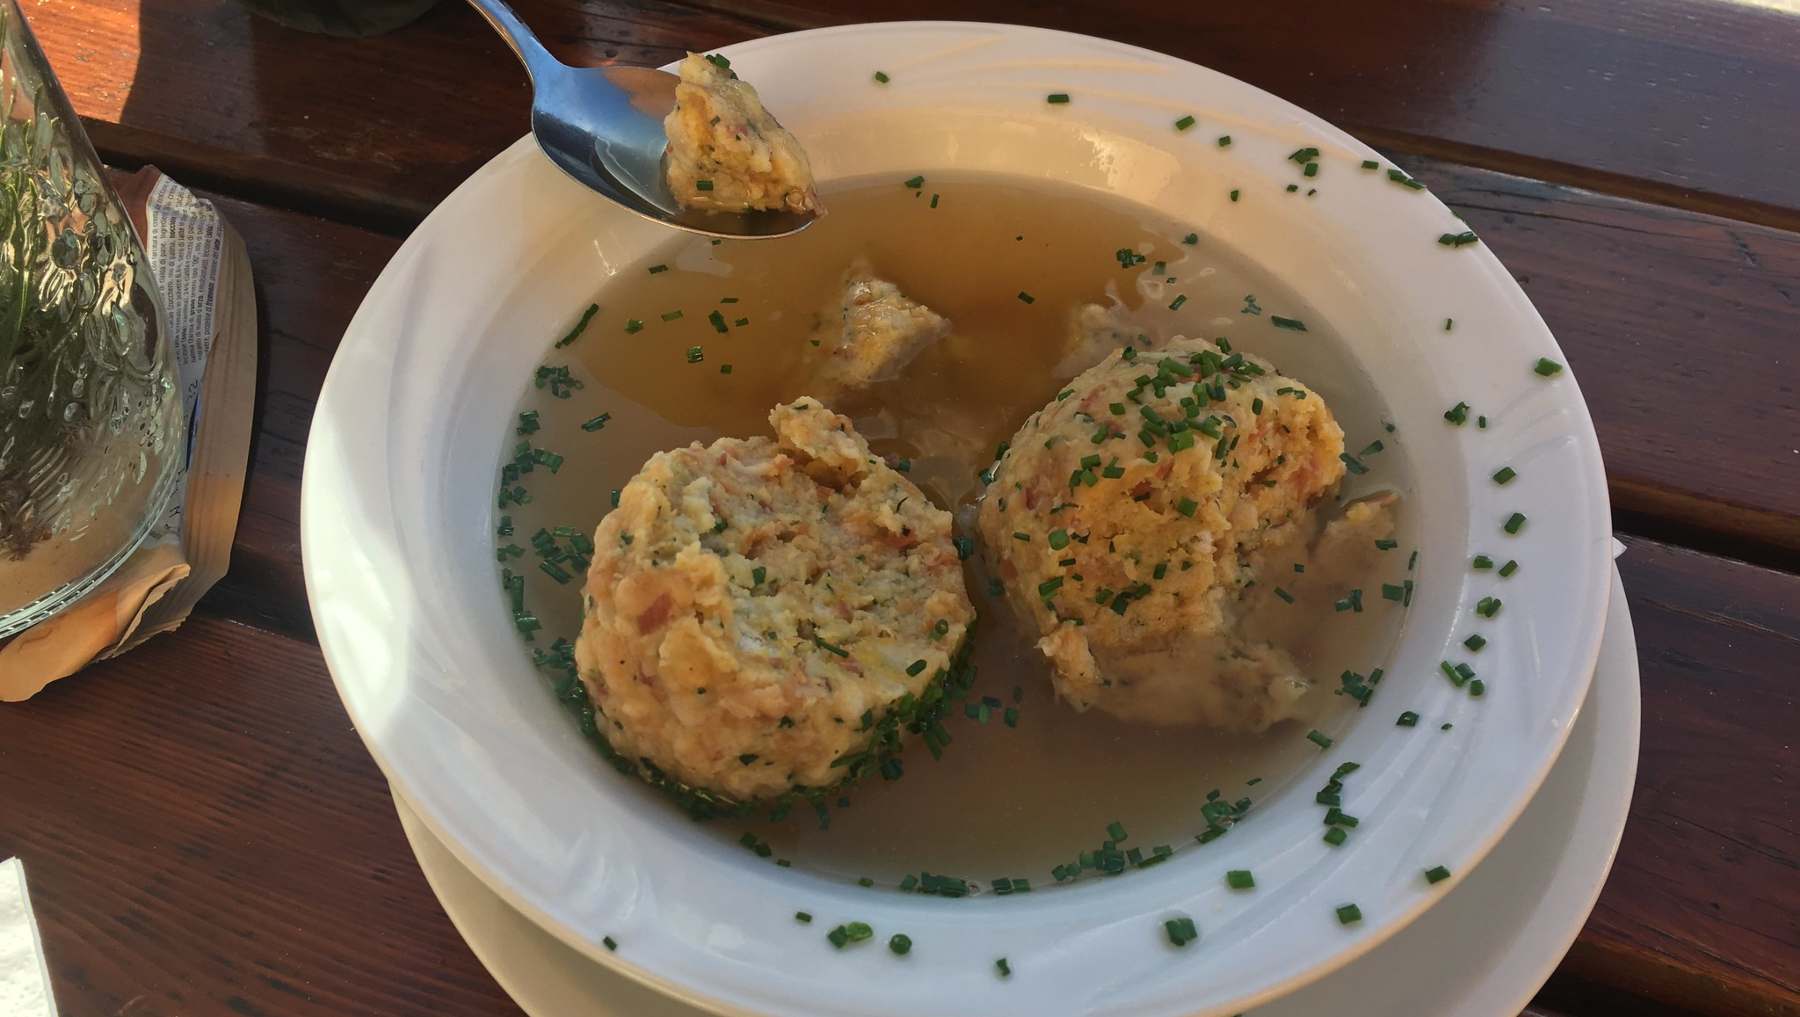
(539, 64)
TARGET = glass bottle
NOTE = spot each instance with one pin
(90, 421)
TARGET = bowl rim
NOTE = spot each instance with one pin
(321, 530)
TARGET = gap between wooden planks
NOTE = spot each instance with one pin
(205, 831)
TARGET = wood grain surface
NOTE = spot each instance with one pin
(1683, 102)
(205, 834)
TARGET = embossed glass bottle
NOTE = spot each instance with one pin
(90, 424)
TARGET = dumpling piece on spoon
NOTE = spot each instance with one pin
(726, 152)
(767, 615)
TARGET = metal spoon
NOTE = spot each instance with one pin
(604, 127)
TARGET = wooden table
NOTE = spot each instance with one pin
(204, 832)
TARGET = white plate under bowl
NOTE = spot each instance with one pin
(1488, 947)
(398, 513)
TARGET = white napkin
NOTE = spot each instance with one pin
(24, 977)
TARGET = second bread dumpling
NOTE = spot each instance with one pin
(1122, 518)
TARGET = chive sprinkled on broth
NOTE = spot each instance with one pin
(1290, 324)
(580, 326)
(881, 78)
(1185, 434)
(914, 182)
(633, 326)
(1234, 194)
(1057, 98)
(1184, 123)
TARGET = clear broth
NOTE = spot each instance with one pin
(1002, 801)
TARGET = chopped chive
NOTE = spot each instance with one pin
(1449, 323)
(1370, 164)
(1547, 367)
(1436, 874)
(633, 326)
(1184, 123)
(1225, 142)
(1180, 299)
(1336, 836)
(1458, 414)
(1407, 719)
(1403, 180)
(695, 354)
(596, 423)
(718, 322)
(1481, 562)
(671, 316)
(1291, 324)
(1003, 968)
(1508, 569)
(882, 78)
(1291, 188)
(900, 943)
(1284, 595)
(724, 368)
(611, 943)
(830, 648)
(802, 917)
(1234, 194)
(1191, 239)
(913, 669)
(1481, 422)
(580, 326)
(1187, 506)
(658, 269)
(757, 575)
(1477, 688)
(1319, 738)
(1389, 591)
(1514, 523)
(1445, 726)
(1386, 545)
(1181, 931)
(1462, 239)
(1504, 475)
(865, 882)
(914, 182)
(1349, 914)
(1311, 170)
(740, 322)
(1475, 643)
(934, 201)
(1057, 98)
(1240, 879)
(1027, 298)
